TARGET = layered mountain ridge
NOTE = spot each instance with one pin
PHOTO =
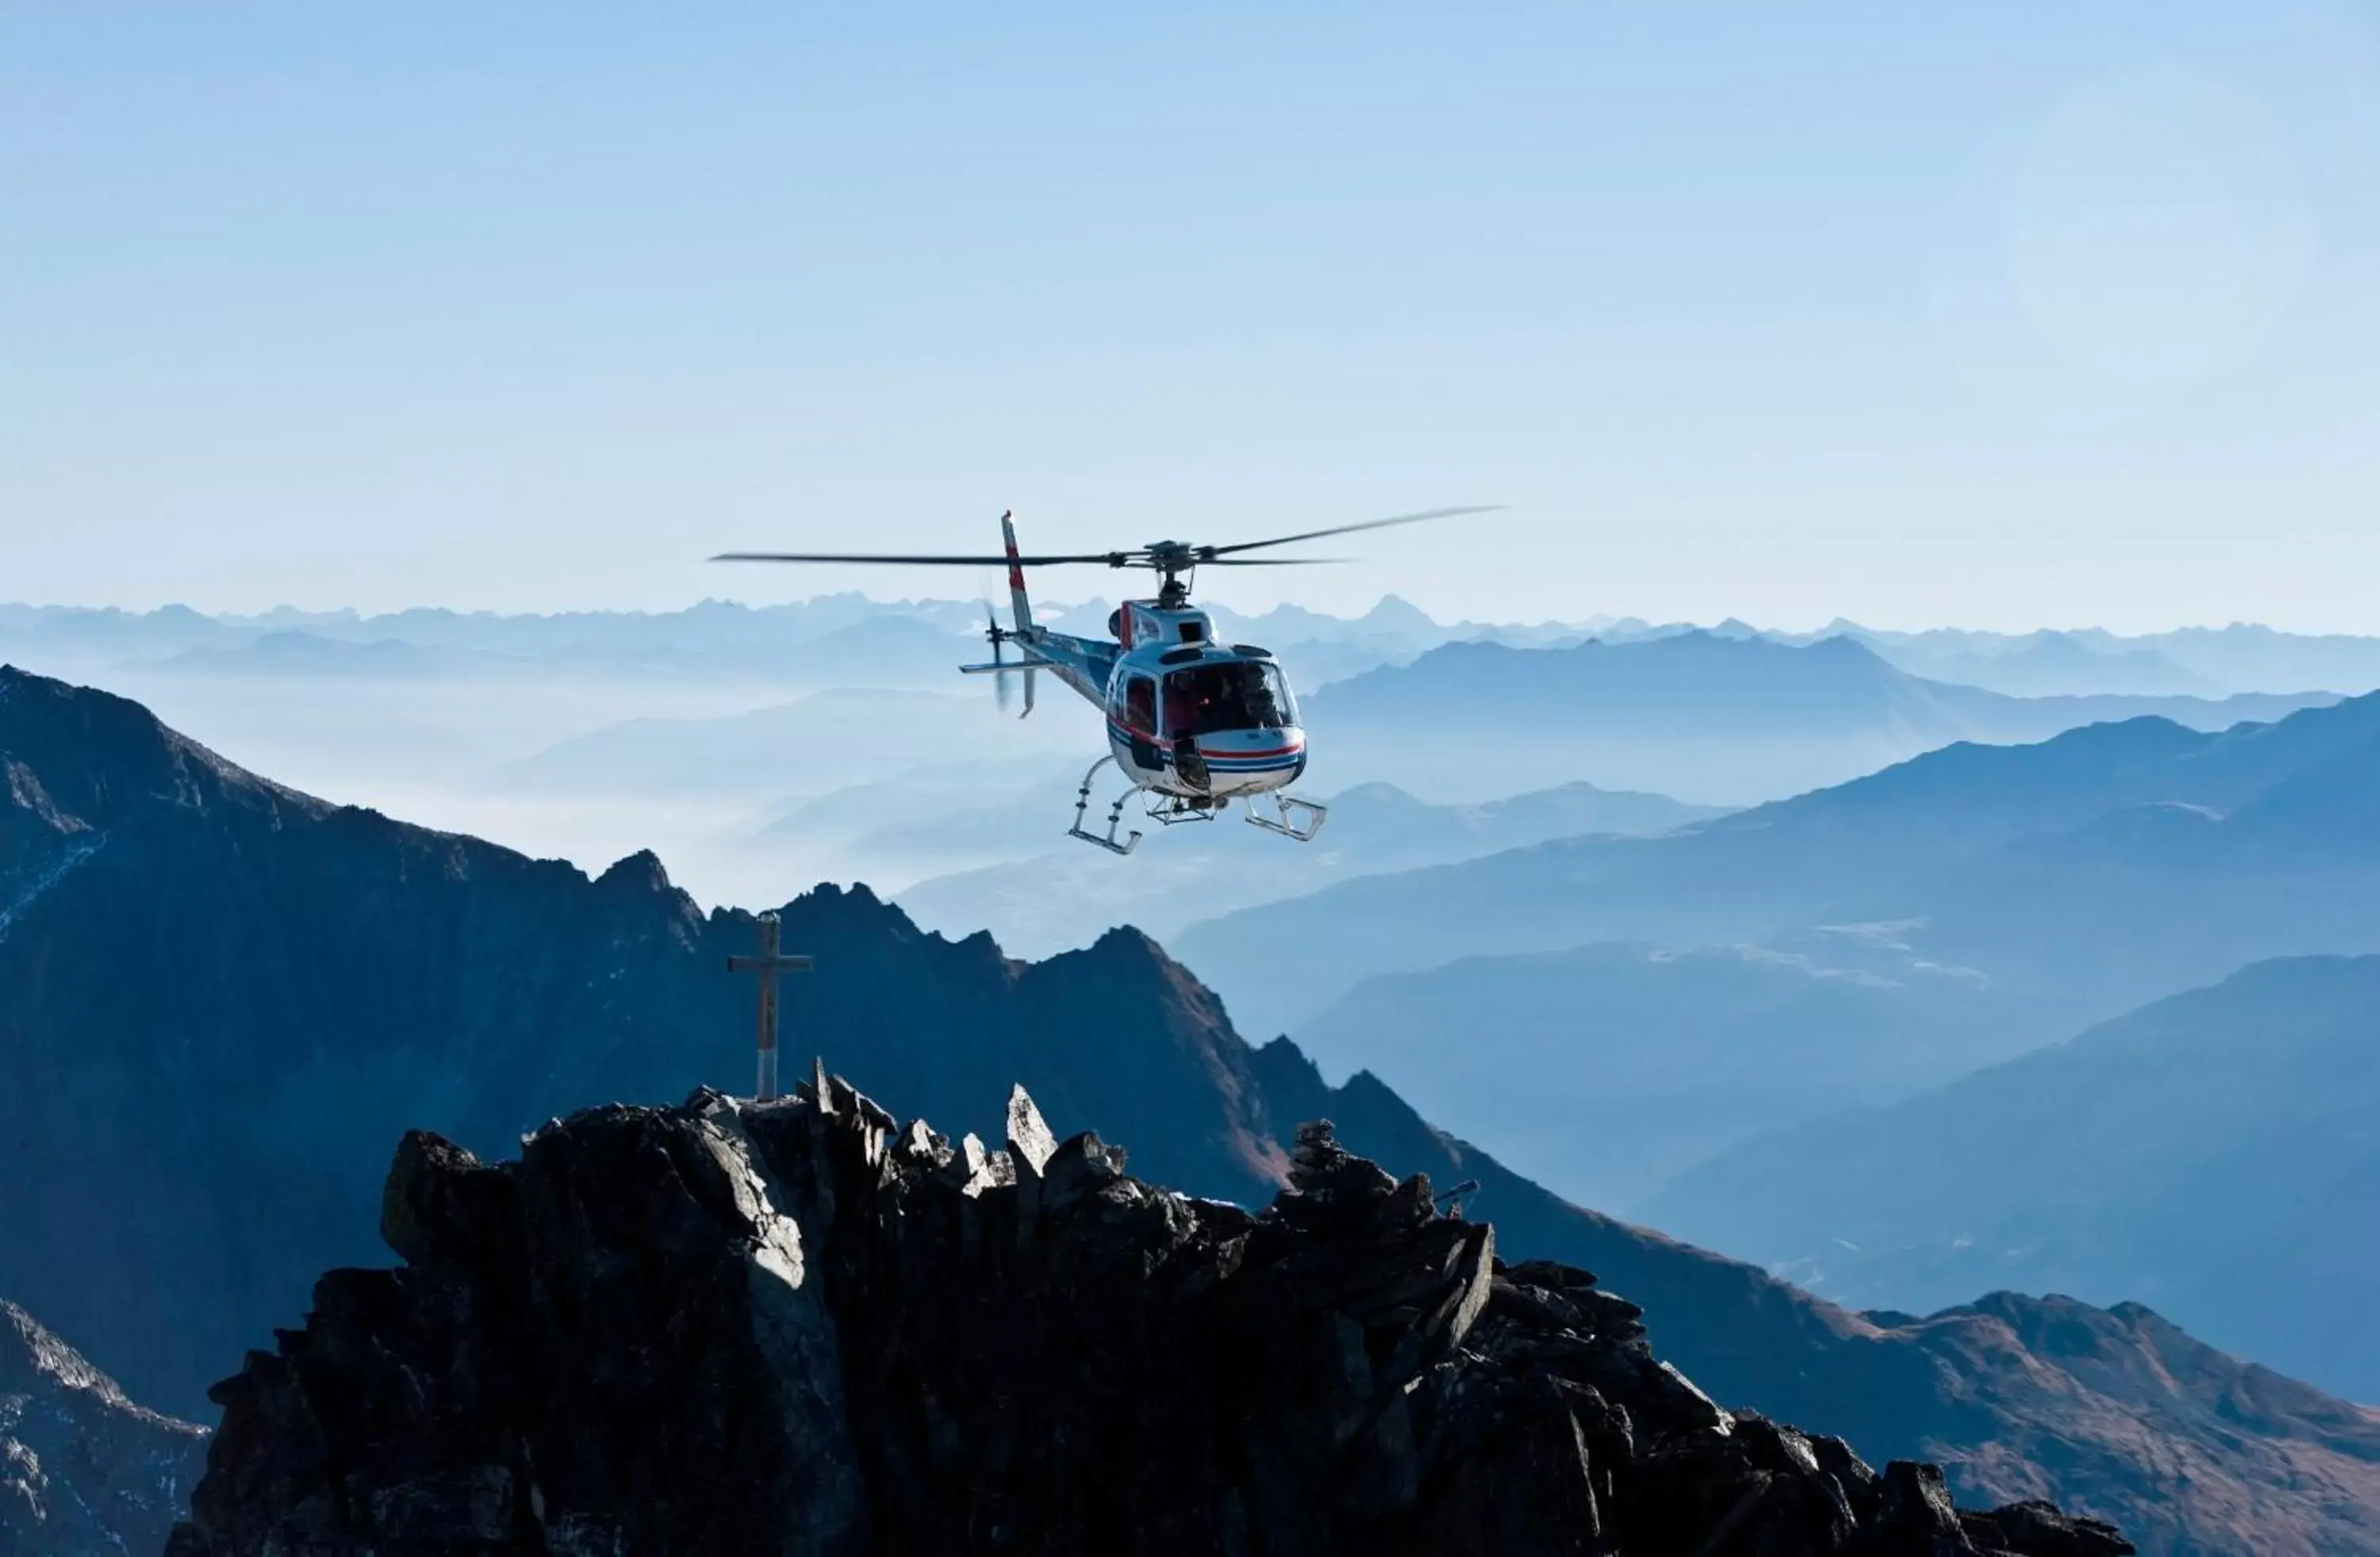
(2207, 1153)
(222, 999)
(1707, 716)
(1944, 837)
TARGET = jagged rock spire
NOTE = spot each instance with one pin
(1028, 1136)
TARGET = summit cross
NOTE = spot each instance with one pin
(767, 964)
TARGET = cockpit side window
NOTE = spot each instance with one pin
(1285, 700)
(1141, 704)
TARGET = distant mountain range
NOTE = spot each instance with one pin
(720, 638)
(713, 631)
(2051, 664)
(1708, 717)
(2194, 661)
(1051, 902)
(2240, 658)
(833, 640)
(226, 999)
(2207, 1154)
(885, 650)
(2102, 868)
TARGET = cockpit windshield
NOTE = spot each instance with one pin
(1231, 694)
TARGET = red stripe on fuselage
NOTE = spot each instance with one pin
(1128, 733)
(1213, 753)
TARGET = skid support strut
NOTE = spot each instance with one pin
(1115, 813)
(1292, 818)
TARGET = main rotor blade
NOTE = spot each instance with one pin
(1209, 552)
(1106, 559)
(1271, 562)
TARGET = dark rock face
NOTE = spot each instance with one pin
(83, 1471)
(799, 1328)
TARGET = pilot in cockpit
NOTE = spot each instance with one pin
(1211, 699)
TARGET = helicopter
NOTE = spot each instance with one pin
(1192, 723)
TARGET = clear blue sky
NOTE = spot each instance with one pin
(2006, 315)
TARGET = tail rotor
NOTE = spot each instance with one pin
(992, 630)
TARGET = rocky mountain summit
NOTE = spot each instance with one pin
(82, 1470)
(798, 1327)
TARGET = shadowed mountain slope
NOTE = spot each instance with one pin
(1606, 1070)
(207, 980)
(83, 1471)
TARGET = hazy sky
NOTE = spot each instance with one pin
(2004, 315)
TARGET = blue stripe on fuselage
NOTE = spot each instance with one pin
(1244, 764)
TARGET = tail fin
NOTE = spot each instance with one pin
(1020, 608)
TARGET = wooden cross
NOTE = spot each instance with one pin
(768, 965)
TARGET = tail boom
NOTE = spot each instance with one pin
(1020, 607)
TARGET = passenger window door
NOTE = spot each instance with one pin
(1140, 719)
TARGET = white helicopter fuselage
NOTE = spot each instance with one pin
(1186, 716)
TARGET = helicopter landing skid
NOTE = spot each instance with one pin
(1115, 814)
(1292, 818)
